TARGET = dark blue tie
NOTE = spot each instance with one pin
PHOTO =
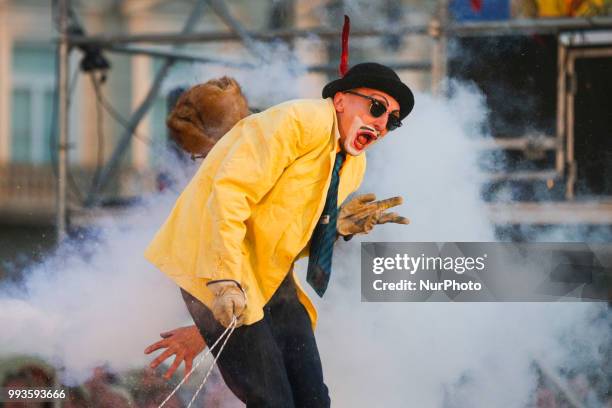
(324, 235)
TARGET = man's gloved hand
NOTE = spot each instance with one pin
(359, 215)
(230, 301)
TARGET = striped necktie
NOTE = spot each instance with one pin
(324, 235)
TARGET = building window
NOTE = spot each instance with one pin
(182, 75)
(158, 130)
(32, 103)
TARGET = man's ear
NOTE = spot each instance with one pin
(339, 101)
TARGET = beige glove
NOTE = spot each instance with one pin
(359, 215)
(230, 301)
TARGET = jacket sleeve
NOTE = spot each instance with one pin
(268, 143)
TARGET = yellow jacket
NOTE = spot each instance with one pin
(252, 206)
(565, 8)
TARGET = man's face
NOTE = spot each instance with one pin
(358, 128)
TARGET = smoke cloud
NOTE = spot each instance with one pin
(97, 301)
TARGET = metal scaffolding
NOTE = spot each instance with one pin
(62, 146)
(110, 168)
(440, 29)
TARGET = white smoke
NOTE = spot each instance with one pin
(103, 303)
(94, 303)
(276, 78)
(439, 354)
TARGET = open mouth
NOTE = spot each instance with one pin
(364, 137)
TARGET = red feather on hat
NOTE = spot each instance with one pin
(343, 67)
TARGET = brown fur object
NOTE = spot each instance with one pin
(206, 112)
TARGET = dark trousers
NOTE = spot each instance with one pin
(274, 362)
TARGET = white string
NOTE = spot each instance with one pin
(229, 329)
(233, 326)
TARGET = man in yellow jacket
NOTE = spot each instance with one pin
(267, 193)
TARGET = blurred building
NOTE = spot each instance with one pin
(28, 96)
(549, 129)
(28, 108)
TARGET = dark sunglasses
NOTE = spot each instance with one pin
(377, 109)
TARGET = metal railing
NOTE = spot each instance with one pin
(28, 192)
